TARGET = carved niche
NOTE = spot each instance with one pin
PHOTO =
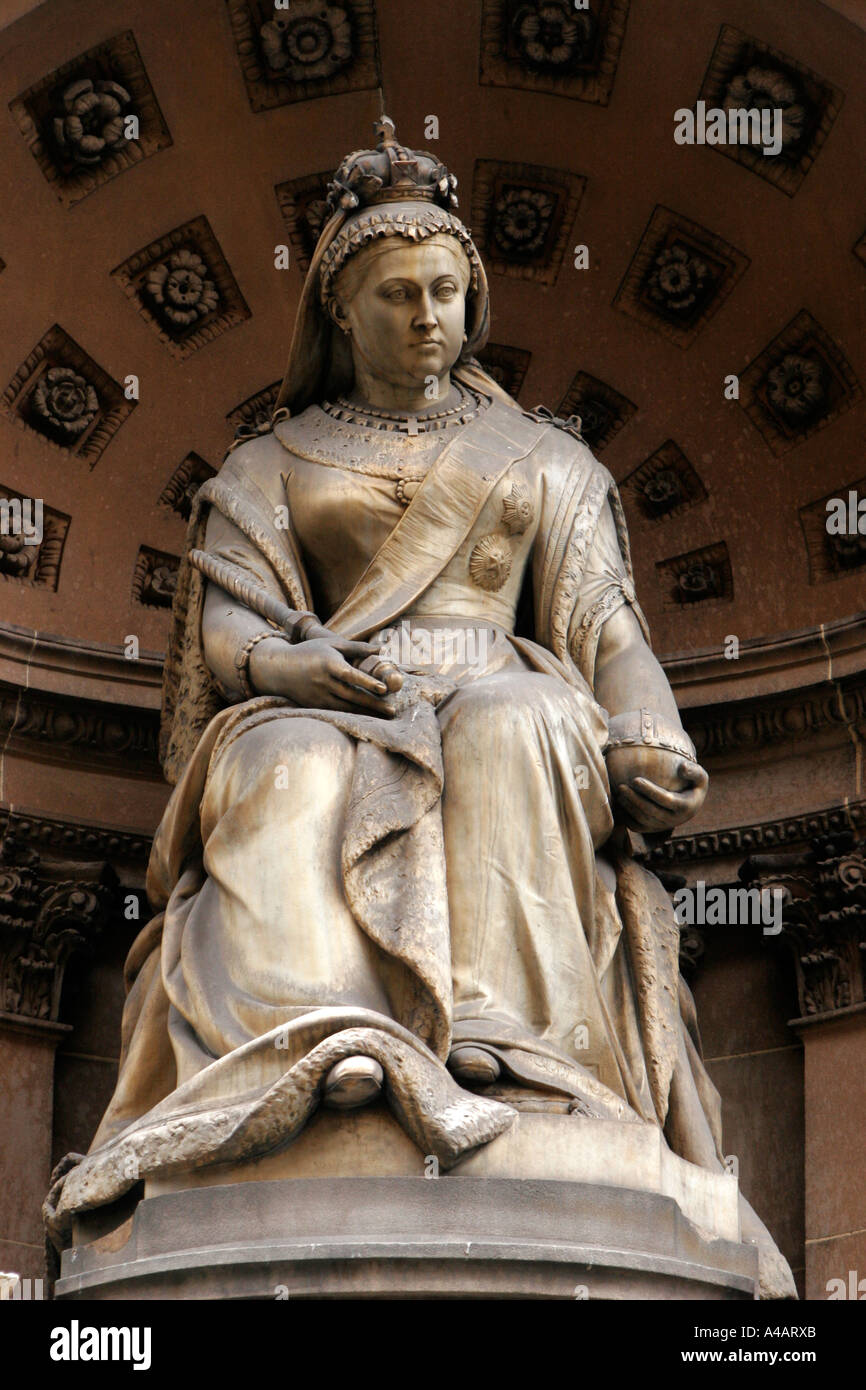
(507, 365)
(253, 416)
(309, 49)
(832, 556)
(304, 208)
(155, 579)
(181, 488)
(35, 561)
(553, 46)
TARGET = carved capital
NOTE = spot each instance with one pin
(824, 917)
(48, 910)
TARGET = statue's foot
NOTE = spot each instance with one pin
(354, 1081)
(473, 1065)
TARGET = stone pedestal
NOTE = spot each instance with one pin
(558, 1207)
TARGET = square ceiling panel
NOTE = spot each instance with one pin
(62, 395)
(183, 287)
(602, 410)
(679, 277)
(306, 50)
(746, 74)
(553, 46)
(799, 384)
(305, 212)
(92, 118)
(522, 215)
(35, 561)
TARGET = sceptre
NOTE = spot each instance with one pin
(299, 626)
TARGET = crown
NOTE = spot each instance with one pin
(388, 174)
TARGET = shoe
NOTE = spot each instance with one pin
(353, 1082)
(473, 1065)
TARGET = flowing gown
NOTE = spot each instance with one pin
(328, 883)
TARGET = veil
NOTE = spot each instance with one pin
(320, 362)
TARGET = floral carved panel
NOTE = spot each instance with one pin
(602, 410)
(507, 365)
(61, 394)
(75, 119)
(184, 483)
(679, 276)
(551, 46)
(700, 576)
(183, 288)
(523, 215)
(746, 74)
(311, 49)
(664, 485)
(37, 562)
(302, 204)
(831, 556)
(799, 384)
(253, 416)
(155, 579)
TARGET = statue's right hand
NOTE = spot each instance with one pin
(317, 675)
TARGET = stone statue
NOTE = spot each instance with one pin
(415, 728)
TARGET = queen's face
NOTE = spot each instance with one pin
(407, 314)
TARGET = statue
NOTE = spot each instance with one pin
(415, 729)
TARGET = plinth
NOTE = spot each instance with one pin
(557, 1207)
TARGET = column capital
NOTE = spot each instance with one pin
(50, 908)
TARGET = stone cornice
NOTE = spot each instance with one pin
(84, 670)
(740, 840)
(51, 726)
(730, 728)
(56, 835)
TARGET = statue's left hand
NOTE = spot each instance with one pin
(657, 789)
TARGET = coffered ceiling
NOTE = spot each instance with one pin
(631, 276)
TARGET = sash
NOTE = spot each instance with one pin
(437, 520)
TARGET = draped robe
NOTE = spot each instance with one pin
(331, 883)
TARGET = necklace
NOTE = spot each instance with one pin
(374, 418)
